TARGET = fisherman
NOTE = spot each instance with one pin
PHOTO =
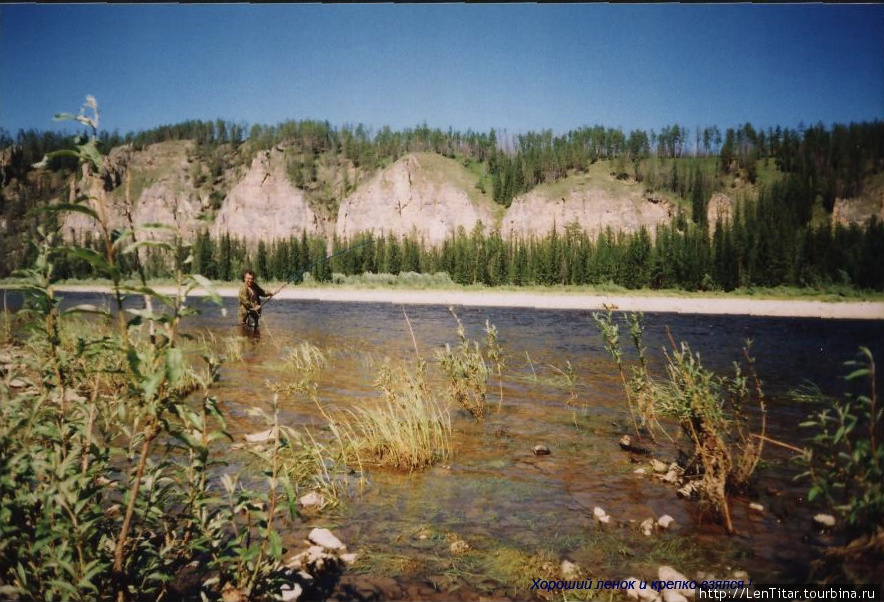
(250, 300)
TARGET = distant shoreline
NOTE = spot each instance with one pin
(798, 308)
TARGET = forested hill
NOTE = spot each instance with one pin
(693, 209)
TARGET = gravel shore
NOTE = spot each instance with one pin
(853, 310)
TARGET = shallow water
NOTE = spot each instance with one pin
(510, 505)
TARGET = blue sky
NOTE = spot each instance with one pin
(515, 67)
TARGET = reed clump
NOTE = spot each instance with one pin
(405, 429)
(467, 371)
(710, 410)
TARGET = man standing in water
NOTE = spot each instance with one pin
(250, 300)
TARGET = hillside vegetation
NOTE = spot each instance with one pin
(697, 210)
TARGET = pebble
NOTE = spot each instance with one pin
(664, 521)
(569, 570)
(659, 466)
(312, 499)
(667, 573)
(324, 538)
(459, 547)
(824, 521)
(672, 476)
(541, 450)
(262, 437)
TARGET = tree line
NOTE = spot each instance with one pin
(835, 159)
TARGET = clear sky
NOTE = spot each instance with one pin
(515, 67)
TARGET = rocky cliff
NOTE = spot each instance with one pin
(265, 205)
(422, 194)
(154, 186)
(592, 204)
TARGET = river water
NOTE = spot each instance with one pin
(517, 510)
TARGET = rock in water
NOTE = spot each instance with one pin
(664, 521)
(824, 521)
(627, 445)
(324, 538)
(600, 515)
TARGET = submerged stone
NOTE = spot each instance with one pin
(324, 538)
(824, 521)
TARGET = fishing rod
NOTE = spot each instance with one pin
(300, 275)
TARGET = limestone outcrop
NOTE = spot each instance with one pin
(588, 204)
(423, 194)
(159, 192)
(264, 205)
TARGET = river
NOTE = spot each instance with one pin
(516, 509)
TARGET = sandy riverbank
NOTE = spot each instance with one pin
(857, 310)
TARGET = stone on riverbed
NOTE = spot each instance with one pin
(639, 590)
(569, 570)
(312, 500)
(667, 573)
(263, 436)
(314, 571)
(659, 466)
(600, 515)
(459, 547)
(824, 521)
(324, 538)
(688, 491)
(664, 521)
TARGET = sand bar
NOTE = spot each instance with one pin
(853, 310)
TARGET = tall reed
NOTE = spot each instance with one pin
(405, 429)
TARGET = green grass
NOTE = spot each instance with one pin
(407, 429)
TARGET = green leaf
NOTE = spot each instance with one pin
(59, 153)
(72, 207)
(275, 545)
(174, 364)
(94, 258)
(858, 373)
(65, 117)
(146, 290)
(158, 244)
(87, 308)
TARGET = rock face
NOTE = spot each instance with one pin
(413, 196)
(167, 197)
(422, 194)
(589, 206)
(720, 207)
(264, 205)
(859, 211)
